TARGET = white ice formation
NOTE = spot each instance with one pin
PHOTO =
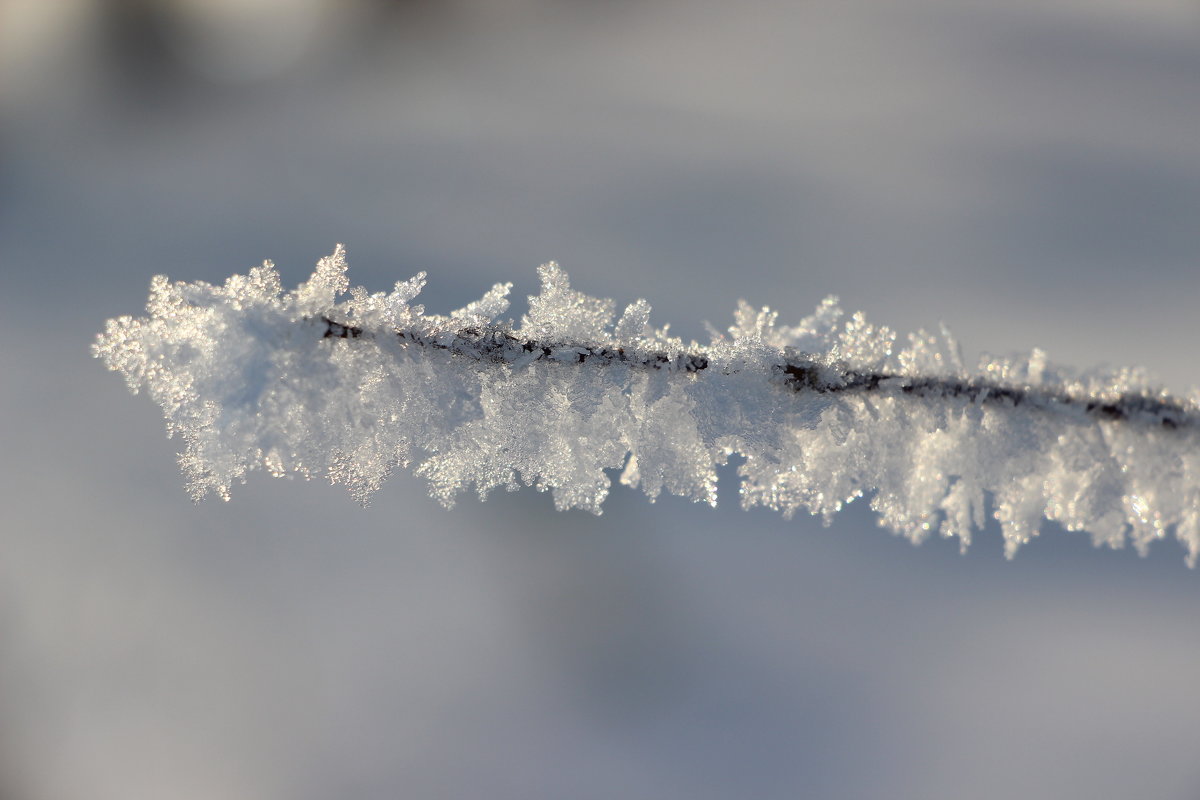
(336, 382)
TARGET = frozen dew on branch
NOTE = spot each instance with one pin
(329, 381)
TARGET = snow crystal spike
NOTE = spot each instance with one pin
(315, 381)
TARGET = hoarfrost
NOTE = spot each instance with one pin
(336, 382)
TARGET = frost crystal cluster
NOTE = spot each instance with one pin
(330, 381)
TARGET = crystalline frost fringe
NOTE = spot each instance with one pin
(823, 412)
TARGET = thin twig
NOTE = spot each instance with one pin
(499, 345)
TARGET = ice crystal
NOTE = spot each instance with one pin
(336, 382)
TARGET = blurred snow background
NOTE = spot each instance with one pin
(1028, 172)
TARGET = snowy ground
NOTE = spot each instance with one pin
(1027, 172)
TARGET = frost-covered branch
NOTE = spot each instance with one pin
(341, 383)
(498, 345)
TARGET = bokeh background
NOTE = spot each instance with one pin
(1027, 171)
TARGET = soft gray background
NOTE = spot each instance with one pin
(1027, 171)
